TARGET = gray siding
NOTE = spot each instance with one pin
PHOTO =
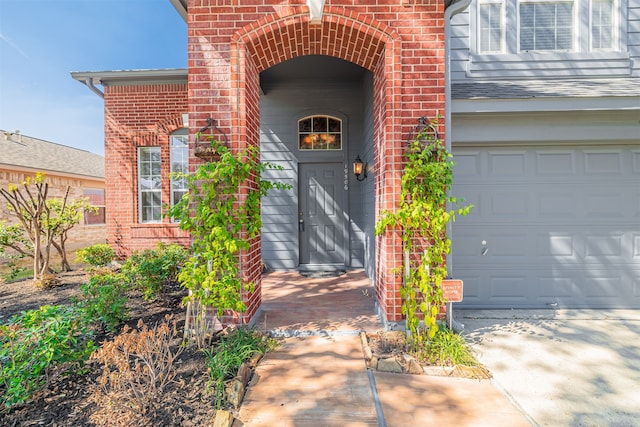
(459, 45)
(281, 107)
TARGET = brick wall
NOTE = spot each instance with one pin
(400, 41)
(138, 116)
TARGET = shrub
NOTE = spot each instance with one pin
(38, 345)
(447, 348)
(149, 270)
(224, 359)
(105, 300)
(137, 366)
(96, 256)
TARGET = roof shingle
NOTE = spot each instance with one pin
(25, 151)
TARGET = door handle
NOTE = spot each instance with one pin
(301, 224)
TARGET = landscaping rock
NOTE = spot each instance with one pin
(223, 419)
(389, 365)
(236, 392)
(412, 365)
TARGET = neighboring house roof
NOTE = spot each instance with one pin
(558, 88)
(27, 152)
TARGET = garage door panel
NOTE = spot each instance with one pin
(551, 287)
(550, 226)
(600, 162)
(599, 246)
(508, 203)
(506, 164)
(555, 245)
(555, 163)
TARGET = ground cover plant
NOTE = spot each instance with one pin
(74, 389)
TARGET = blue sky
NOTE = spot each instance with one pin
(42, 41)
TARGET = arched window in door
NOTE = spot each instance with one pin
(320, 133)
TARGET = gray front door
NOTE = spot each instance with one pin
(321, 215)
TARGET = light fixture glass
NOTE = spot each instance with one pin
(359, 169)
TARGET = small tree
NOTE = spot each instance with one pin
(43, 220)
(222, 213)
(422, 217)
(64, 216)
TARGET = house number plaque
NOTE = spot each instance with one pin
(452, 290)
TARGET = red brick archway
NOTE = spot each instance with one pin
(402, 45)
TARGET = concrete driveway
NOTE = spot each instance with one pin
(562, 367)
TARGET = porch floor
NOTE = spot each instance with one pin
(293, 305)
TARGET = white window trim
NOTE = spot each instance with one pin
(503, 29)
(181, 133)
(140, 191)
(575, 42)
(550, 63)
(615, 30)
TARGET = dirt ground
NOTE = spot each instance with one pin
(65, 401)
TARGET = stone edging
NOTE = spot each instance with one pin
(412, 366)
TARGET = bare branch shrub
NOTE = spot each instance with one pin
(137, 366)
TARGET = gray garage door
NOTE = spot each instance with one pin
(552, 226)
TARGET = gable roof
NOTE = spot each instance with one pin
(33, 153)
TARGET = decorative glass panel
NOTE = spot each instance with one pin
(546, 26)
(320, 133)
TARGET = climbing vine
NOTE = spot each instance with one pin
(222, 224)
(422, 216)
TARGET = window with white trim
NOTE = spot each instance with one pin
(521, 26)
(149, 185)
(545, 25)
(491, 27)
(179, 165)
(602, 25)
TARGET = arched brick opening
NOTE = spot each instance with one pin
(402, 43)
(366, 43)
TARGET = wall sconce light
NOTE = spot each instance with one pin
(359, 169)
(185, 120)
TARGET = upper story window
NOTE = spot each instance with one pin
(520, 26)
(491, 27)
(546, 26)
(149, 184)
(179, 165)
(602, 24)
(320, 133)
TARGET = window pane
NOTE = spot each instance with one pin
(96, 199)
(320, 133)
(150, 184)
(546, 26)
(491, 27)
(179, 166)
(602, 24)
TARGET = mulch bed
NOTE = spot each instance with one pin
(66, 401)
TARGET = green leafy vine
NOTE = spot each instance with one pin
(222, 213)
(422, 216)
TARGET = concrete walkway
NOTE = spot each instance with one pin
(562, 367)
(318, 376)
